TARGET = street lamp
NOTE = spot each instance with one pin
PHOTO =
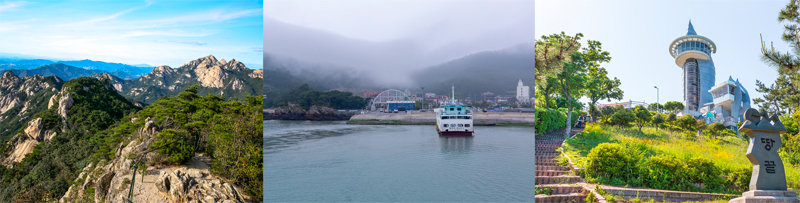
(658, 108)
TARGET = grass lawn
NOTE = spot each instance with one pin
(727, 153)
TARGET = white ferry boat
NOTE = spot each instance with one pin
(454, 119)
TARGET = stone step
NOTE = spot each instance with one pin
(558, 189)
(565, 198)
(547, 153)
(554, 168)
(546, 157)
(551, 173)
(557, 179)
(546, 162)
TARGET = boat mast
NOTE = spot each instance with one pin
(453, 91)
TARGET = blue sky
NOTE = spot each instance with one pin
(134, 32)
(638, 33)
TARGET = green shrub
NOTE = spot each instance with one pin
(665, 172)
(687, 122)
(738, 179)
(549, 119)
(671, 118)
(176, 145)
(702, 170)
(612, 161)
(791, 138)
(622, 117)
(657, 120)
(643, 116)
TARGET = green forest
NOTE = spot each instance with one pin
(100, 120)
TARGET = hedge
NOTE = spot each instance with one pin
(551, 119)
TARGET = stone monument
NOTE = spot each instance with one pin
(768, 183)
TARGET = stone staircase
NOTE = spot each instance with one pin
(555, 183)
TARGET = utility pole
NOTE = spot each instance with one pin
(658, 107)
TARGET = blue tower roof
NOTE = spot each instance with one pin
(691, 29)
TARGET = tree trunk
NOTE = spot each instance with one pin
(569, 122)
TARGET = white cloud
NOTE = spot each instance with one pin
(106, 18)
(6, 6)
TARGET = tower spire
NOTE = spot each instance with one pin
(691, 29)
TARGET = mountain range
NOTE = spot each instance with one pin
(497, 71)
(124, 71)
(75, 140)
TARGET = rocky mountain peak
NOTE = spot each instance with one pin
(162, 69)
(8, 79)
(9, 74)
(210, 58)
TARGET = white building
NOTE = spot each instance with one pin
(523, 93)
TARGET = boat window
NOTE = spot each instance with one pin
(460, 125)
(459, 108)
(445, 125)
(469, 117)
(451, 109)
(466, 125)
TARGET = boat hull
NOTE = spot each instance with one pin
(455, 133)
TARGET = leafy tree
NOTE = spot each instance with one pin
(622, 117)
(571, 78)
(671, 118)
(658, 119)
(784, 94)
(599, 86)
(673, 106)
(643, 116)
(655, 107)
(550, 53)
(687, 122)
(177, 145)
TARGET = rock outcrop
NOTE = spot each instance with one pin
(111, 81)
(111, 181)
(64, 104)
(32, 135)
(231, 78)
(20, 99)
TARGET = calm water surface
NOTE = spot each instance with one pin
(333, 161)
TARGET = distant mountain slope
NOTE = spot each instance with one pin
(495, 71)
(220, 77)
(61, 70)
(9, 63)
(123, 71)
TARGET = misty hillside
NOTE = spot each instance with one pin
(495, 71)
(290, 73)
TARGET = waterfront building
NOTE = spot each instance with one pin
(692, 53)
(730, 101)
(523, 93)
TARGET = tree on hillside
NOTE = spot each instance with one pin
(643, 116)
(550, 53)
(673, 106)
(658, 119)
(571, 77)
(545, 88)
(598, 86)
(655, 107)
(785, 93)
